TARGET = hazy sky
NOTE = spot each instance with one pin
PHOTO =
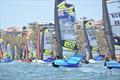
(22, 12)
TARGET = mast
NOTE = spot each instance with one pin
(108, 30)
(38, 45)
(42, 45)
(57, 30)
(26, 50)
(87, 40)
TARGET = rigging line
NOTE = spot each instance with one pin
(116, 35)
(109, 33)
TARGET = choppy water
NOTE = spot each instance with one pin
(37, 71)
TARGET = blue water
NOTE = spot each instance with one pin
(40, 71)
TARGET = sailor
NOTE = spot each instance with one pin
(86, 59)
(54, 45)
(106, 59)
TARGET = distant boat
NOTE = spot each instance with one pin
(1, 54)
(27, 52)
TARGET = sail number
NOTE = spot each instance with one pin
(116, 18)
(115, 15)
(117, 22)
(69, 44)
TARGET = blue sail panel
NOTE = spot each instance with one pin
(71, 12)
(63, 14)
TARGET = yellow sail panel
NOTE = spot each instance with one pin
(62, 5)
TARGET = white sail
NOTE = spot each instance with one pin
(114, 15)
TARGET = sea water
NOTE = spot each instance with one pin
(45, 71)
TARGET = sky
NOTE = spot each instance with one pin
(22, 12)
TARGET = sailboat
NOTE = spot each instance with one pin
(62, 16)
(5, 59)
(87, 48)
(114, 16)
(1, 54)
(27, 52)
(40, 46)
(90, 44)
(110, 40)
